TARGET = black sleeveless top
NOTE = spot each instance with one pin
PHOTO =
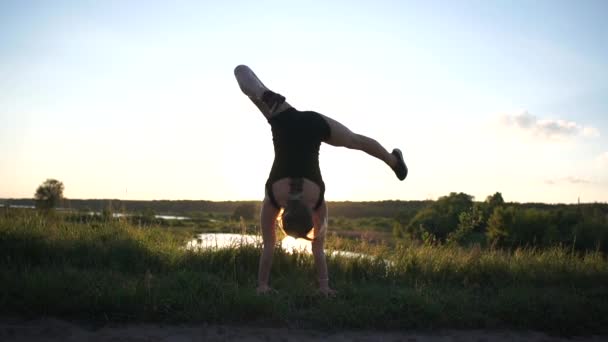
(297, 137)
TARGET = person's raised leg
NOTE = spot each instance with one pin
(268, 218)
(341, 136)
(249, 83)
(267, 101)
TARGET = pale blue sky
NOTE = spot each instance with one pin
(137, 100)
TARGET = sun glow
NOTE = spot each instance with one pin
(291, 245)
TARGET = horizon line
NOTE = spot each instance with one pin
(258, 200)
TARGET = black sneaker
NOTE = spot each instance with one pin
(272, 100)
(401, 168)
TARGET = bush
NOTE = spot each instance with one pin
(441, 217)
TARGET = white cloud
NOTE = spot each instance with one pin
(548, 128)
(591, 132)
(568, 180)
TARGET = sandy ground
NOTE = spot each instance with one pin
(50, 329)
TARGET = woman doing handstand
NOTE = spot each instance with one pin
(295, 183)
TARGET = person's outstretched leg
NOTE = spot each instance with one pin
(343, 137)
(249, 83)
(268, 218)
(267, 101)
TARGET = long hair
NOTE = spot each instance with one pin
(296, 217)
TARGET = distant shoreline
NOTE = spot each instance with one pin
(349, 209)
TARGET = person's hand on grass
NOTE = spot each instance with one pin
(328, 291)
(264, 289)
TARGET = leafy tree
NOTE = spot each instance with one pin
(425, 220)
(591, 232)
(495, 200)
(551, 236)
(516, 226)
(441, 217)
(564, 219)
(529, 226)
(49, 194)
(498, 224)
(470, 219)
(468, 222)
(487, 208)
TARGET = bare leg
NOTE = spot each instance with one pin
(251, 86)
(318, 244)
(268, 218)
(341, 136)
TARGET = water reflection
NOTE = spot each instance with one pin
(289, 244)
(171, 217)
(222, 240)
(94, 213)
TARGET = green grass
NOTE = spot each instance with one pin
(121, 272)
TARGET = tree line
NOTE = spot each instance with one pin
(455, 218)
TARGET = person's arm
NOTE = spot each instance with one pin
(318, 251)
(264, 267)
(321, 265)
(268, 218)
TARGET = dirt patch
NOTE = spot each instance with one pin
(50, 329)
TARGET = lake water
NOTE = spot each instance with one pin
(164, 217)
(289, 244)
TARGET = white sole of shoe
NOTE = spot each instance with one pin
(249, 83)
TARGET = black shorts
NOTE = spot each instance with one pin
(275, 204)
